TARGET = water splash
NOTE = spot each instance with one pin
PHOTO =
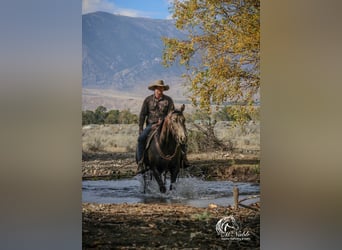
(195, 188)
(187, 190)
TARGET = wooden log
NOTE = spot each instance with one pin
(236, 197)
(249, 207)
(250, 197)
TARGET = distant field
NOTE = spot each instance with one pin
(92, 98)
(123, 137)
(112, 99)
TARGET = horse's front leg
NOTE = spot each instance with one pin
(174, 174)
(159, 180)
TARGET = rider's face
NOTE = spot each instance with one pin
(158, 92)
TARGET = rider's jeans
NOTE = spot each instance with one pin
(142, 140)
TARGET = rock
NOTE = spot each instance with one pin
(193, 235)
(212, 206)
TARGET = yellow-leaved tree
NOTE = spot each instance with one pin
(221, 53)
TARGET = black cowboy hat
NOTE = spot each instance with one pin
(158, 83)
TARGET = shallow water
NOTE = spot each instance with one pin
(189, 191)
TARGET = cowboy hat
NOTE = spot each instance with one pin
(159, 83)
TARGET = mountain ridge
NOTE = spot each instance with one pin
(125, 53)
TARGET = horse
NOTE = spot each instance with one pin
(164, 153)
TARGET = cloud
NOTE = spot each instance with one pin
(170, 4)
(89, 6)
(131, 13)
(97, 5)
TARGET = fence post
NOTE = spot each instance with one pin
(236, 197)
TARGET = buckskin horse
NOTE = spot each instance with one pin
(164, 153)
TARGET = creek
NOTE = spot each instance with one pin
(188, 191)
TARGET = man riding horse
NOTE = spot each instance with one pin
(154, 109)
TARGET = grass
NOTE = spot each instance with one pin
(123, 137)
(257, 168)
(203, 216)
(110, 138)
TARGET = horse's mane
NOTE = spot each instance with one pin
(164, 129)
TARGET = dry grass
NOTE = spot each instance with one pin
(110, 138)
(123, 137)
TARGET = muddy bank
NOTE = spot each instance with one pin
(161, 226)
(210, 166)
(233, 167)
(103, 165)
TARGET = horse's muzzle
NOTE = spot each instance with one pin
(183, 139)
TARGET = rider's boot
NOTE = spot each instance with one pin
(140, 166)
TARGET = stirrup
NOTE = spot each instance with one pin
(141, 167)
(140, 164)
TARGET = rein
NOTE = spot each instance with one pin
(162, 155)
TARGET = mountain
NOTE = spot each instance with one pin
(125, 53)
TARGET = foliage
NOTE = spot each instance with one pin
(112, 117)
(196, 141)
(101, 116)
(203, 216)
(88, 117)
(224, 114)
(230, 113)
(257, 169)
(126, 117)
(201, 117)
(221, 52)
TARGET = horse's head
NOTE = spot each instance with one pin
(177, 127)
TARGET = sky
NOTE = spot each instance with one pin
(157, 9)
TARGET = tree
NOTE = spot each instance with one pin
(100, 114)
(126, 117)
(201, 117)
(112, 117)
(88, 117)
(224, 114)
(221, 52)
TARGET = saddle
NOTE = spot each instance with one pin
(149, 138)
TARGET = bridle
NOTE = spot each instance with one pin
(162, 155)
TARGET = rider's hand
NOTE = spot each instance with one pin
(140, 131)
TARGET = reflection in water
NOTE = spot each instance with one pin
(190, 191)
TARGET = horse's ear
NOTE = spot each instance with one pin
(170, 111)
(182, 107)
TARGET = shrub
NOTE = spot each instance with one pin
(95, 145)
(196, 141)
